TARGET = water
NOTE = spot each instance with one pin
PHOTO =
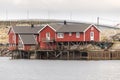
(59, 70)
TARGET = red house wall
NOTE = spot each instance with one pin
(27, 47)
(11, 36)
(96, 34)
(42, 35)
(68, 38)
(12, 41)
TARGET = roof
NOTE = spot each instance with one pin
(56, 26)
(27, 29)
(70, 27)
(28, 39)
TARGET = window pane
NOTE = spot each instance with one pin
(77, 35)
(70, 34)
(60, 35)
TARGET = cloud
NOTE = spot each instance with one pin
(60, 8)
(62, 5)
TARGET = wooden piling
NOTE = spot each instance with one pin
(68, 55)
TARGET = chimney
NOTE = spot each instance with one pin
(32, 25)
(65, 22)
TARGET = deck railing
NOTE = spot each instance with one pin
(48, 40)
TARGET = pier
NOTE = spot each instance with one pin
(66, 55)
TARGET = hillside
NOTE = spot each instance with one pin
(106, 33)
(3, 35)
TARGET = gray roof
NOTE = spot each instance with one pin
(28, 39)
(56, 26)
(70, 27)
(59, 27)
(27, 29)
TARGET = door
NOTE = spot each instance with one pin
(92, 36)
(47, 36)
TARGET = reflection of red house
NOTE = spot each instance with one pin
(46, 36)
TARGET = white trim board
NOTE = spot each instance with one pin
(91, 26)
(21, 40)
(45, 27)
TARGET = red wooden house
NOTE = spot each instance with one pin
(46, 36)
(23, 37)
(71, 32)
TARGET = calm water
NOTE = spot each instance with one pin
(59, 70)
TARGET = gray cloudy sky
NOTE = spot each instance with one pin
(78, 10)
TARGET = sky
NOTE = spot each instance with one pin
(108, 11)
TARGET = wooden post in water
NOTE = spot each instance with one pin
(12, 56)
(61, 54)
(35, 54)
(68, 55)
(47, 54)
(40, 55)
(28, 55)
(20, 54)
(88, 56)
(73, 55)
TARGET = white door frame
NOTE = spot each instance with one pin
(92, 36)
(48, 36)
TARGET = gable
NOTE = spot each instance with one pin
(10, 30)
(92, 26)
(46, 27)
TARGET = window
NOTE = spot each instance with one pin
(70, 34)
(48, 36)
(77, 35)
(60, 35)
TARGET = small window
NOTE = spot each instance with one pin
(70, 34)
(92, 34)
(77, 35)
(60, 35)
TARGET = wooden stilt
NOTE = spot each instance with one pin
(29, 55)
(12, 56)
(68, 55)
(40, 55)
(73, 55)
(47, 54)
(20, 52)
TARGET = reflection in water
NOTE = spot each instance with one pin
(59, 70)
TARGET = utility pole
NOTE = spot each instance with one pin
(70, 15)
(48, 14)
(6, 14)
(27, 14)
(98, 20)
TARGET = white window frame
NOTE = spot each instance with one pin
(77, 34)
(60, 35)
(70, 33)
(48, 35)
